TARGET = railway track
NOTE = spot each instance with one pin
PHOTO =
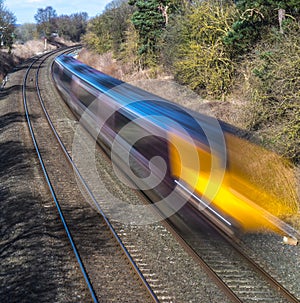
(110, 273)
(230, 268)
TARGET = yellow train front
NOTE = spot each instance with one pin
(245, 187)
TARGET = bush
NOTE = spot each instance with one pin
(202, 59)
(275, 91)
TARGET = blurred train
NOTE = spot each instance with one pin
(226, 178)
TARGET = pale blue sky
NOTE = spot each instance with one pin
(24, 10)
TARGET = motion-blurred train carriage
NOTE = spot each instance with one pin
(227, 178)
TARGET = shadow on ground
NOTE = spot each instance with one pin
(35, 265)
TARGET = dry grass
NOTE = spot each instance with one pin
(31, 48)
(128, 72)
(22, 52)
(7, 63)
(105, 63)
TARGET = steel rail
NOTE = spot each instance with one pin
(234, 243)
(83, 270)
(272, 281)
(222, 285)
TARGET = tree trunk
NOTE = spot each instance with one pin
(281, 17)
(164, 9)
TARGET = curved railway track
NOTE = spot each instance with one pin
(227, 264)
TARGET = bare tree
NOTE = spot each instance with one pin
(45, 19)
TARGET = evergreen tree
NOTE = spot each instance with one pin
(149, 22)
(150, 19)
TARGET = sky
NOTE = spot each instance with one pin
(24, 10)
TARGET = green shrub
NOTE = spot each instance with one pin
(275, 91)
(255, 18)
(202, 59)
